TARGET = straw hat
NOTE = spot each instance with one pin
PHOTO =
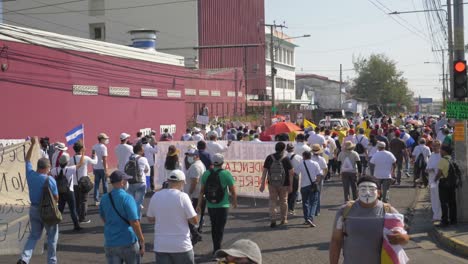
(317, 149)
(349, 145)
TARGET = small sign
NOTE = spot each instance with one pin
(202, 119)
(457, 110)
(459, 132)
(274, 109)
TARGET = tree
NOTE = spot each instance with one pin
(379, 82)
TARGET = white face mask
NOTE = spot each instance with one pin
(367, 192)
(190, 160)
(106, 141)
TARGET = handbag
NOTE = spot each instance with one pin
(313, 186)
(85, 185)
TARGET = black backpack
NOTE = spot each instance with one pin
(214, 191)
(276, 173)
(132, 169)
(63, 186)
(454, 175)
(359, 147)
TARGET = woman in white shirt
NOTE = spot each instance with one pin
(81, 198)
(432, 169)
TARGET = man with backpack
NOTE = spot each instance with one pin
(358, 227)
(36, 181)
(277, 167)
(215, 184)
(449, 176)
(296, 161)
(137, 167)
(362, 142)
(421, 154)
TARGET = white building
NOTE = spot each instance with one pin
(285, 78)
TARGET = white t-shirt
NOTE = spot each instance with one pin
(295, 161)
(364, 142)
(425, 150)
(143, 165)
(383, 161)
(214, 147)
(321, 162)
(186, 137)
(101, 151)
(83, 170)
(171, 208)
(43, 154)
(149, 153)
(123, 153)
(440, 136)
(195, 171)
(219, 130)
(68, 171)
(301, 147)
(371, 150)
(316, 139)
(198, 137)
(314, 170)
(331, 145)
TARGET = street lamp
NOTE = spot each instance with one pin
(272, 63)
(448, 15)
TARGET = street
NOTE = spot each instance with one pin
(294, 243)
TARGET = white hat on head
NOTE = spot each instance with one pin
(381, 144)
(176, 175)
(60, 146)
(124, 136)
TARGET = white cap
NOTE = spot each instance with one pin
(176, 175)
(124, 136)
(381, 144)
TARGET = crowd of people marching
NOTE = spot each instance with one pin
(369, 157)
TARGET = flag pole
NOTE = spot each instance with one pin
(83, 136)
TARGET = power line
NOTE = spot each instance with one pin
(49, 5)
(114, 8)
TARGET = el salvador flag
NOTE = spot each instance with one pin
(74, 135)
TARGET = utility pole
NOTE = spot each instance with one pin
(460, 143)
(272, 63)
(341, 85)
(450, 44)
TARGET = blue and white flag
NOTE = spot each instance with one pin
(74, 135)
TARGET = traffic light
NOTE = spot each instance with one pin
(459, 79)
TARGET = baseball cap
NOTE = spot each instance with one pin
(102, 135)
(118, 176)
(243, 248)
(124, 136)
(217, 159)
(176, 175)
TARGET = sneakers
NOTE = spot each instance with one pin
(273, 224)
(291, 212)
(310, 223)
(85, 221)
(284, 222)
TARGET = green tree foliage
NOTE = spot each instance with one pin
(379, 82)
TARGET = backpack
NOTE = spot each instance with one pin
(420, 162)
(359, 147)
(48, 209)
(132, 169)
(84, 183)
(214, 191)
(453, 179)
(63, 186)
(276, 173)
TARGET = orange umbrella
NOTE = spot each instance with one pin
(282, 127)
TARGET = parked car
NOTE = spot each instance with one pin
(334, 122)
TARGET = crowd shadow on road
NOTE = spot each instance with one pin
(323, 246)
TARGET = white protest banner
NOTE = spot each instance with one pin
(203, 120)
(14, 199)
(244, 159)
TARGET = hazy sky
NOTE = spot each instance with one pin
(343, 29)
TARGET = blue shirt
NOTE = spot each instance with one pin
(205, 157)
(117, 233)
(36, 182)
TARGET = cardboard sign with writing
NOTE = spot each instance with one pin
(248, 176)
(203, 120)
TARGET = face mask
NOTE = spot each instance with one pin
(367, 192)
(190, 160)
(106, 141)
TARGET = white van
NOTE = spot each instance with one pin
(335, 122)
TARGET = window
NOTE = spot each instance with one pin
(97, 31)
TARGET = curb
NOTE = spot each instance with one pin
(452, 243)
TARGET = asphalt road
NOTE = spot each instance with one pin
(294, 243)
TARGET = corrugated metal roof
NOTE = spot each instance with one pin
(58, 41)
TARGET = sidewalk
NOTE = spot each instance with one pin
(454, 238)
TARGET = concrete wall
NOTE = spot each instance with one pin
(327, 93)
(177, 23)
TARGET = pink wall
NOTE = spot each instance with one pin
(37, 98)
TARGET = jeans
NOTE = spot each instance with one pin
(363, 164)
(371, 168)
(309, 202)
(69, 198)
(293, 195)
(99, 176)
(36, 231)
(349, 181)
(448, 203)
(137, 190)
(129, 254)
(218, 217)
(81, 200)
(385, 186)
(281, 194)
(399, 164)
(175, 258)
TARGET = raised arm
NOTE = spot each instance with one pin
(34, 141)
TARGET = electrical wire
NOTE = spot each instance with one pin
(114, 8)
(47, 5)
